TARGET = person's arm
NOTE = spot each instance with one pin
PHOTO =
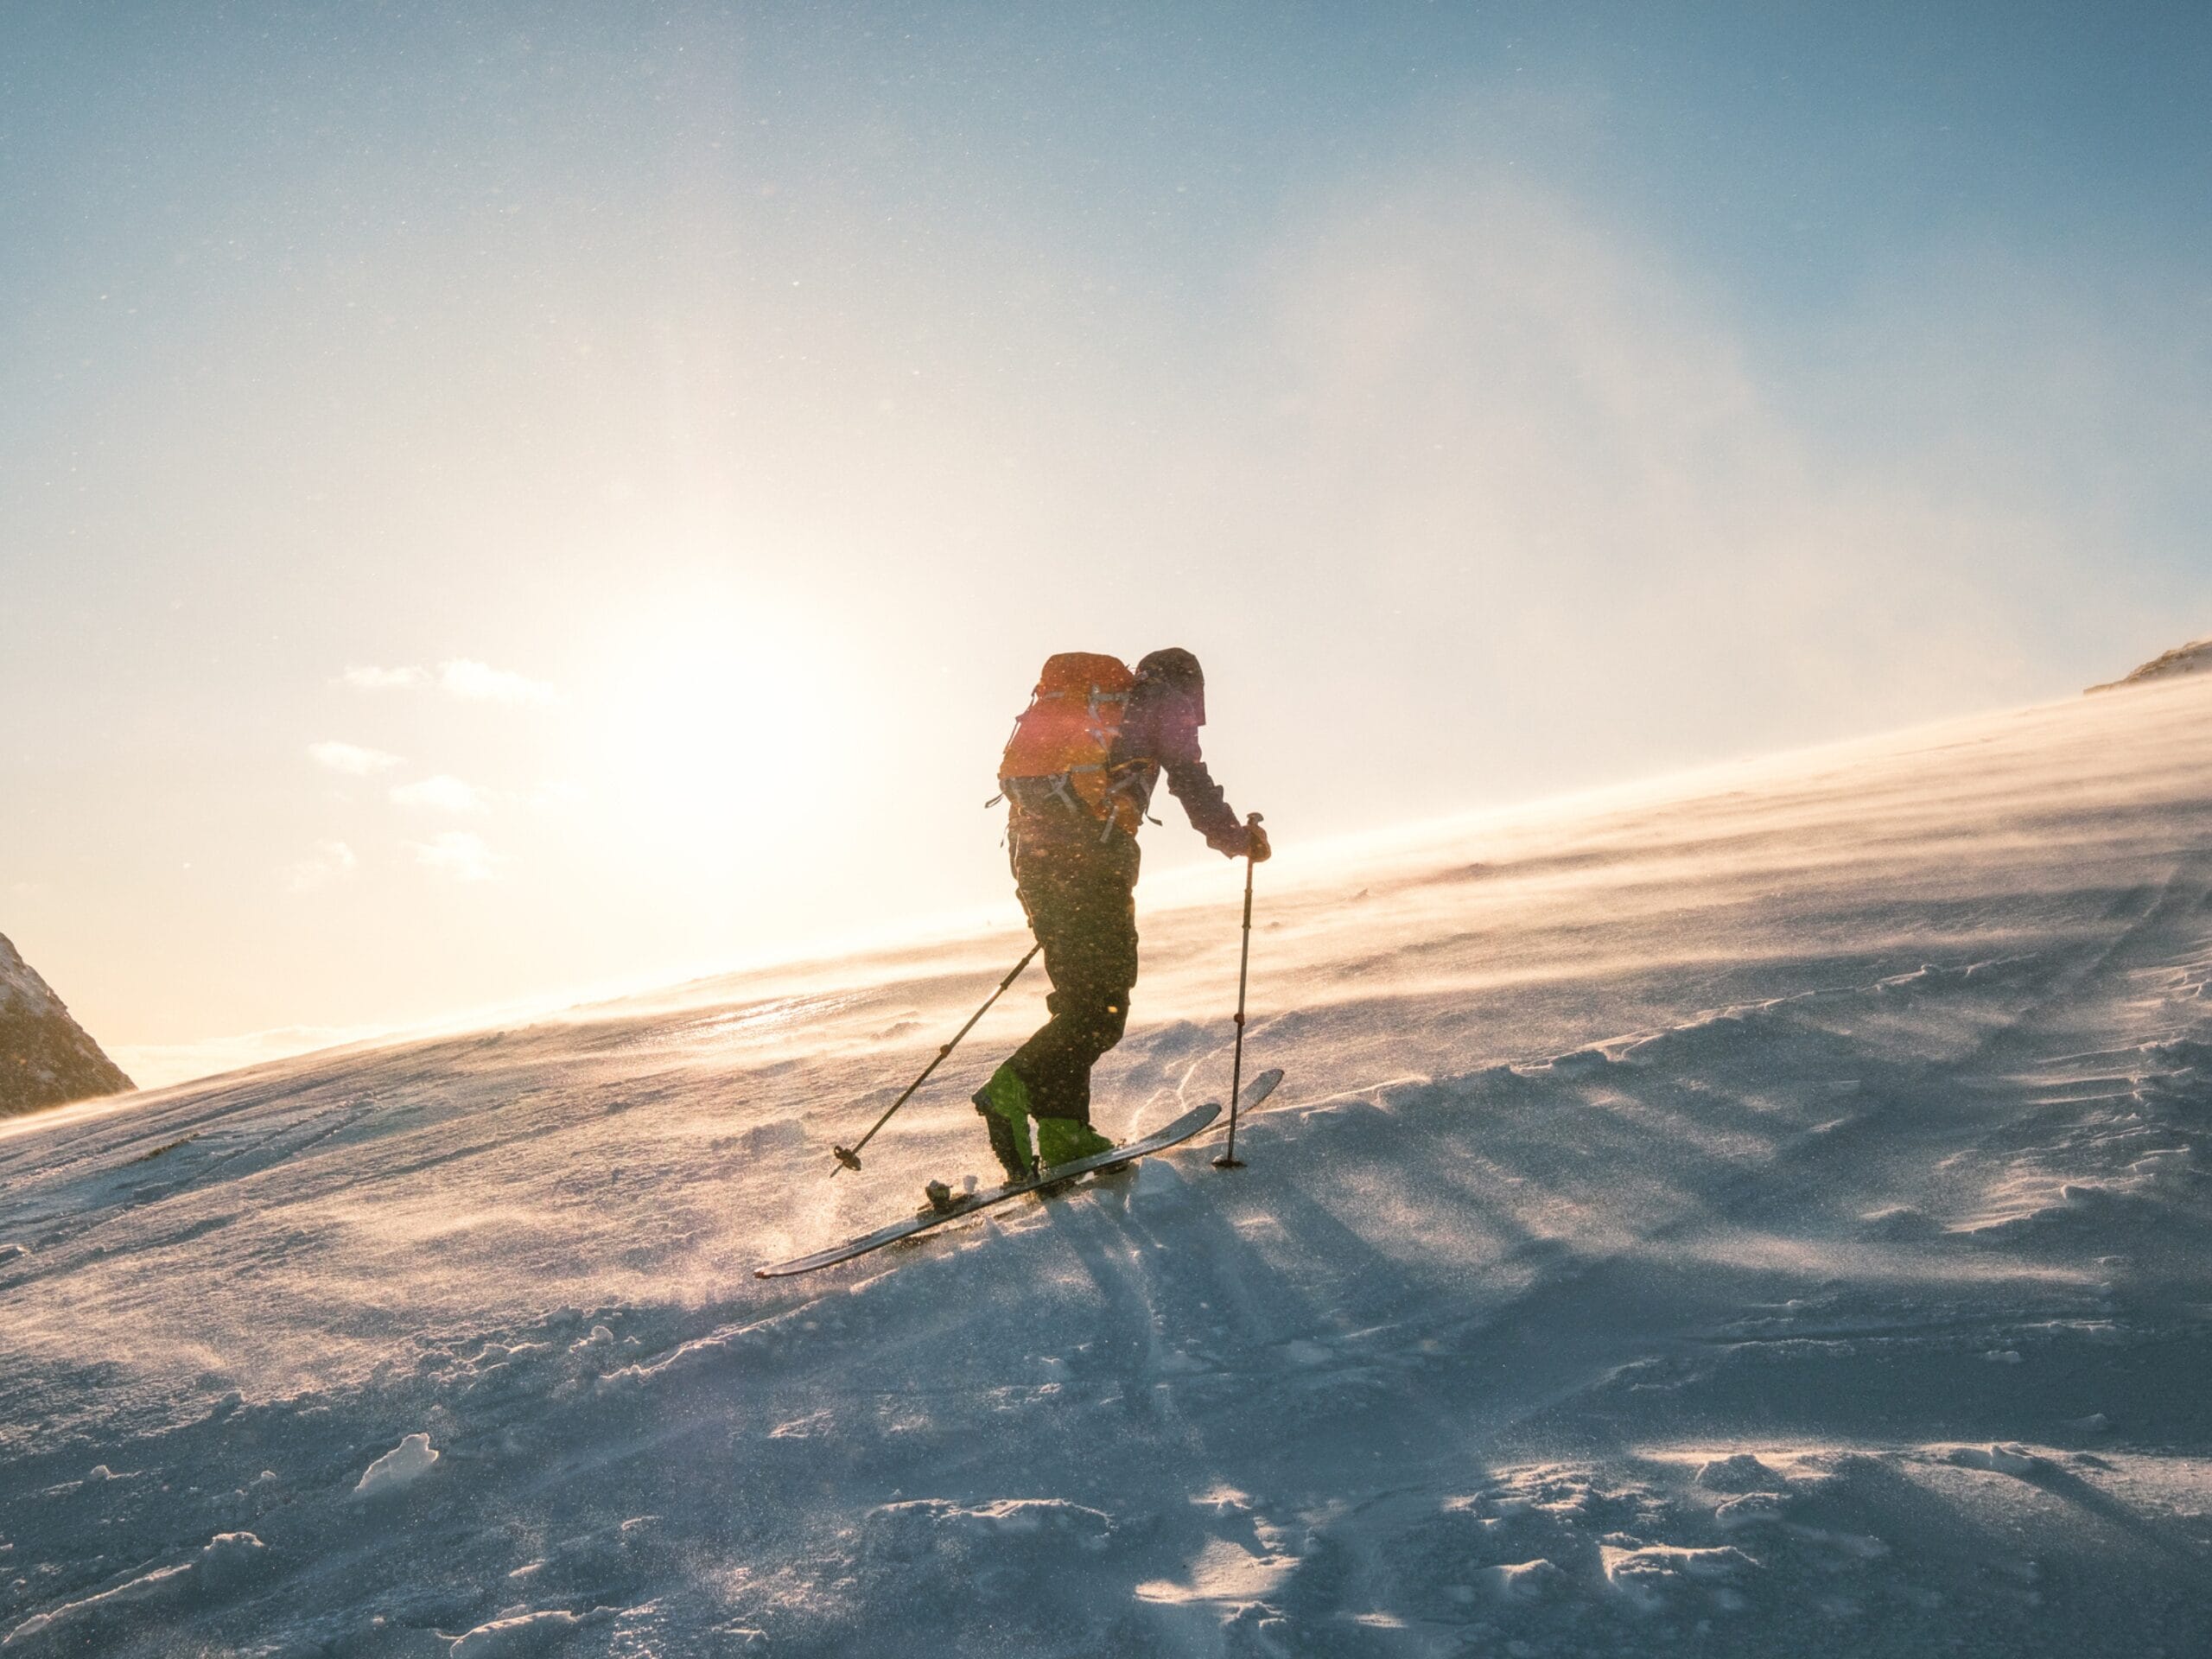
(1161, 727)
(1204, 802)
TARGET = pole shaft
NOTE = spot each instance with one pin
(908, 1094)
(1243, 974)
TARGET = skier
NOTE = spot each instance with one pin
(1077, 776)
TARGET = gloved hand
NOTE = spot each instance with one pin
(1246, 839)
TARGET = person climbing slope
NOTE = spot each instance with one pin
(1078, 774)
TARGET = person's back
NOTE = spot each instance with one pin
(1072, 836)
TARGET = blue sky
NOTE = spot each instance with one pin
(1500, 399)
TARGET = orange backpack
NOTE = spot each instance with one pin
(1062, 742)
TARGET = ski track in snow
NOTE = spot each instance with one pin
(1764, 1209)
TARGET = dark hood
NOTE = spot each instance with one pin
(1173, 675)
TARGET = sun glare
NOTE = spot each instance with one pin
(713, 709)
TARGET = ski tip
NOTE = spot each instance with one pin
(1260, 1088)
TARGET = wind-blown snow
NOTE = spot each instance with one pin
(1762, 1211)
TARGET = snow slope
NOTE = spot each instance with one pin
(1765, 1210)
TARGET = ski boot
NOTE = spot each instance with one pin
(1004, 1103)
(1063, 1140)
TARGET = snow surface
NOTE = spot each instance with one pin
(1764, 1211)
(399, 1468)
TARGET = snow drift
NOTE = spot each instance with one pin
(1764, 1209)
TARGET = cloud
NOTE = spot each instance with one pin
(443, 793)
(351, 758)
(457, 677)
(457, 854)
(385, 679)
(332, 860)
(481, 682)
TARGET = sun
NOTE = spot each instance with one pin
(716, 709)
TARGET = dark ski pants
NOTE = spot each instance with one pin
(1081, 901)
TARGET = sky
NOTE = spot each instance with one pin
(506, 502)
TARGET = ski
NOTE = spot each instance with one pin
(1192, 1123)
(1259, 1089)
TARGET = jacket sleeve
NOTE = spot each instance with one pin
(1163, 728)
(1202, 799)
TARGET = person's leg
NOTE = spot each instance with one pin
(1081, 906)
(1089, 912)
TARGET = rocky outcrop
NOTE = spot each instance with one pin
(2194, 657)
(46, 1059)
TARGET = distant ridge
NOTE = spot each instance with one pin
(2194, 657)
(46, 1059)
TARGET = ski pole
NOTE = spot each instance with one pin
(849, 1157)
(1229, 1159)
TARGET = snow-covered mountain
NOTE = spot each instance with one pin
(1762, 1213)
(2194, 657)
(46, 1059)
